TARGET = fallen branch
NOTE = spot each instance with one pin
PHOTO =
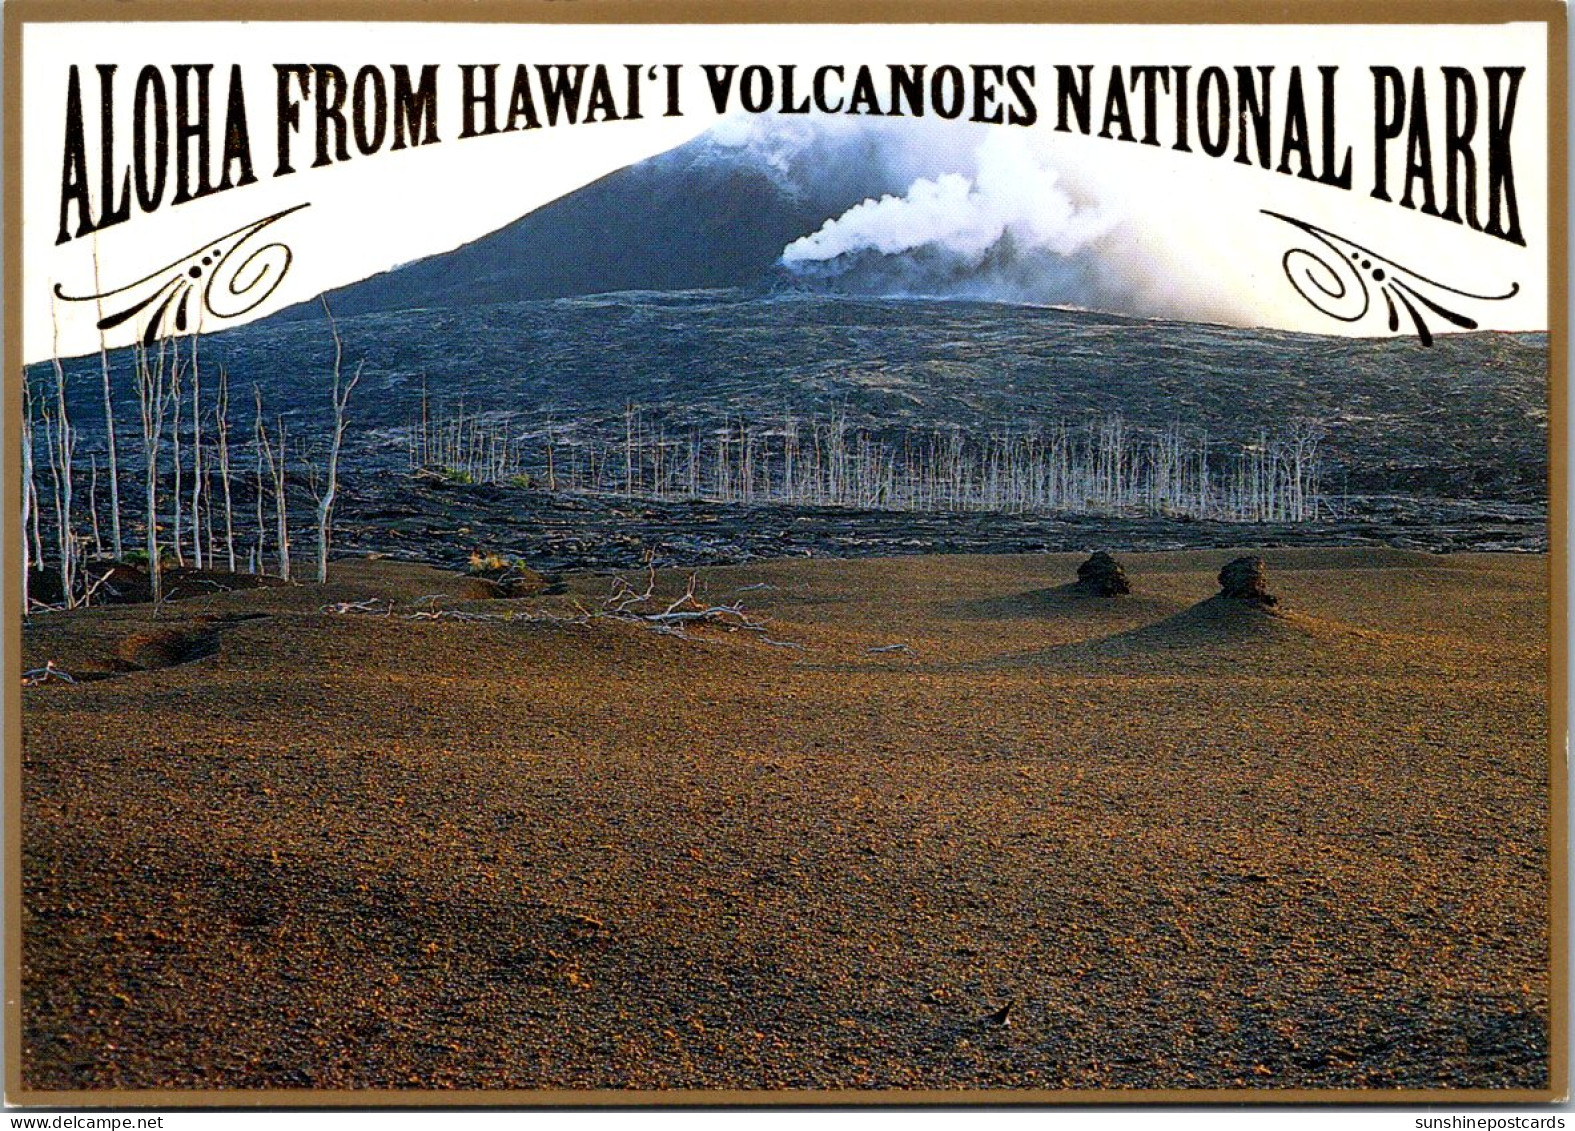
(369, 607)
(624, 605)
(624, 596)
(45, 674)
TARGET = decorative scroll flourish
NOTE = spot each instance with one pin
(232, 276)
(1338, 285)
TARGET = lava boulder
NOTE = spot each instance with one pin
(1243, 580)
(1102, 576)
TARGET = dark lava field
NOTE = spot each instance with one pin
(1441, 447)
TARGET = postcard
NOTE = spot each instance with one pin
(608, 553)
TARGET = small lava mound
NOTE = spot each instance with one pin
(126, 583)
(503, 585)
(1255, 633)
(1069, 600)
(478, 589)
(165, 648)
(1216, 620)
(116, 583)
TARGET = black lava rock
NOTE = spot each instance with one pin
(1103, 576)
(1243, 580)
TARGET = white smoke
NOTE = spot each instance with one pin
(1012, 194)
(953, 209)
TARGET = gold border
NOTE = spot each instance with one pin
(799, 11)
(1558, 555)
(10, 581)
(18, 13)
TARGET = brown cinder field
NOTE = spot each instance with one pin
(1188, 842)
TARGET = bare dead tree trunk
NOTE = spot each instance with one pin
(426, 439)
(109, 422)
(282, 505)
(196, 457)
(259, 437)
(276, 475)
(340, 393)
(61, 452)
(152, 402)
(222, 423)
(38, 538)
(175, 394)
(27, 487)
(98, 541)
(628, 450)
(207, 525)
